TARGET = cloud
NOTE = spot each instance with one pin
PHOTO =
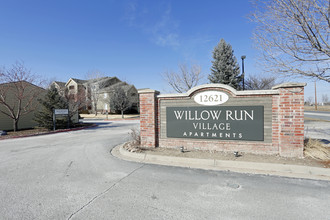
(130, 13)
(165, 31)
(170, 39)
(155, 21)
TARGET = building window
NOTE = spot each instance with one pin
(71, 87)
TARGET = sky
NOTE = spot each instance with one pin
(134, 40)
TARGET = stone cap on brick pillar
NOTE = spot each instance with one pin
(140, 91)
(221, 86)
(289, 85)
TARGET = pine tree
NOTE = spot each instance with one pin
(51, 101)
(225, 68)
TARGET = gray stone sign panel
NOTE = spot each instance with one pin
(216, 122)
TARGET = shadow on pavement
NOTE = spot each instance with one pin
(102, 125)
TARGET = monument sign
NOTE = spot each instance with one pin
(218, 117)
(215, 122)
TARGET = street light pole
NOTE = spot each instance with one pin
(243, 74)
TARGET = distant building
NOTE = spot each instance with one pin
(97, 92)
(31, 93)
(60, 86)
(75, 86)
(105, 96)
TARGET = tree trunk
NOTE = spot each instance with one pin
(122, 114)
(95, 109)
(15, 124)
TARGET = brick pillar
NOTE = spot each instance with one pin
(290, 130)
(148, 117)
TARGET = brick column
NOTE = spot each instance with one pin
(148, 117)
(290, 130)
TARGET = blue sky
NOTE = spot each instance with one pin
(134, 40)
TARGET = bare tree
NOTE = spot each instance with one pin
(94, 96)
(293, 37)
(19, 91)
(259, 83)
(185, 79)
(94, 74)
(325, 98)
(119, 100)
(309, 100)
(76, 101)
(93, 88)
(49, 82)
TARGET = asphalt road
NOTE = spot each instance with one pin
(318, 115)
(73, 176)
(317, 125)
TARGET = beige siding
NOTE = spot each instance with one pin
(75, 85)
(103, 102)
(134, 97)
(25, 121)
(6, 123)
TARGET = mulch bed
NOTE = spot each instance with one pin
(41, 131)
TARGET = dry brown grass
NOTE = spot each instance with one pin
(325, 108)
(136, 137)
(317, 150)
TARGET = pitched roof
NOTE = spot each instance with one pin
(111, 88)
(22, 82)
(98, 79)
(60, 84)
(104, 82)
(80, 81)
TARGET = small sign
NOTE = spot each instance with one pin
(211, 98)
(61, 111)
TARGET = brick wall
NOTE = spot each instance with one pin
(287, 121)
(290, 128)
(148, 117)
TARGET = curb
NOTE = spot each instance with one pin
(50, 132)
(284, 170)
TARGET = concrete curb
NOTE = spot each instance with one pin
(285, 170)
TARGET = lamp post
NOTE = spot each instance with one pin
(243, 57)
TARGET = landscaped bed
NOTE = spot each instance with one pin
(316, 153)
(40, 131)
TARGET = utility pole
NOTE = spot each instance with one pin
(243, 74)
(315, 97)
